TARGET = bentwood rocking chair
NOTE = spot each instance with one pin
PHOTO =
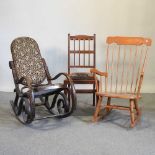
(32, 80)
(125, 61)
(81, 58)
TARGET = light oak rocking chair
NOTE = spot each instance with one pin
(125, 61)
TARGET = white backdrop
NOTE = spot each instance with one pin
(49, 22)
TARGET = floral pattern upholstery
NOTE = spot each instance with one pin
(27, 60)
(82, 76)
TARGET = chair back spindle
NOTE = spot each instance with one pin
(125, 62)
(81, 52)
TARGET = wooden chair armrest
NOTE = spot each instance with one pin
(28, 81)
(142, 74)
(140, 83)
(95, 71)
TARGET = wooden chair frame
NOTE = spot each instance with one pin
(124, 82)
(81, 62)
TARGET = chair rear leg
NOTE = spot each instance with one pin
(97, 110)
(94, 95)
(108, 103)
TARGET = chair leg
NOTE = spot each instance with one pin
(136, 107)
(138, 111)
(67, 93)
(93, 94)
(65, 85)
(97, 110)
(108, 103)
(132, 115)
(97, 99)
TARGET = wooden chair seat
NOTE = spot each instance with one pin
(118, 95)
(82, 76)
(47, 89)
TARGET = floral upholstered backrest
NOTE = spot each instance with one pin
(27, 60)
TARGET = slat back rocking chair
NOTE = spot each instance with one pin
(82, 57)
(32, 80)
(125, 61)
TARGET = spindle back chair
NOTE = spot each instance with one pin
(81, 58)
(125, 62)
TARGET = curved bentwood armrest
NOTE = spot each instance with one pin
(73, 92)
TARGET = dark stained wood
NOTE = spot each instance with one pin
(79, 47)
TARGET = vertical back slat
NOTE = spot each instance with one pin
(74, 51)
(94, 63)
(124, 60)
(117, 69)
(138, 70)
(89, 51)
(133, 69)
(142, 71)
(69, 54)
(145, 59)
(84, 50)
(107, 63)
(128, 70)
(79, 53)
(112, 65)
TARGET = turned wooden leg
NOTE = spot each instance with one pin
(97, 86)
(136, 107)
(97, 99)
(97, 110)
(108, 103)
(93, 94)
(132, 115)
(138, 111)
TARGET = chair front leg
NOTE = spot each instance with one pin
(136, 107)
(93, 94)
(96, 116)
